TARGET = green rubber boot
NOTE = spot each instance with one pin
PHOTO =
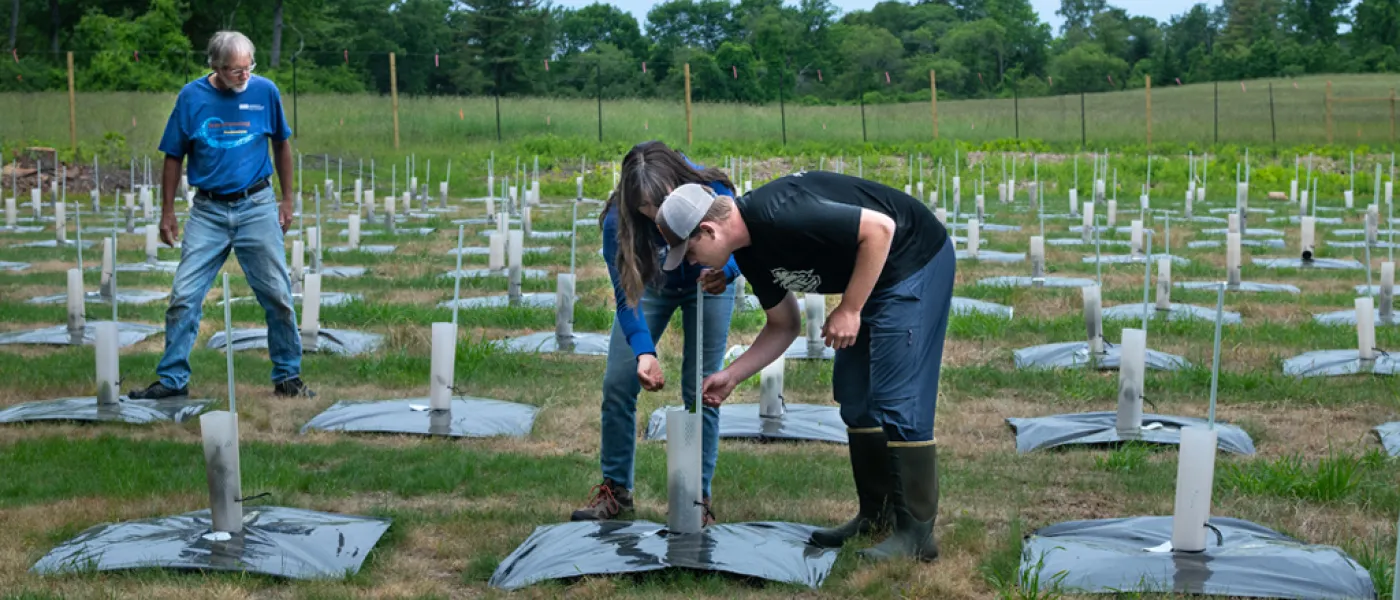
(870, 465)
(915, 505)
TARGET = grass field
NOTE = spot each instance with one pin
(363, 125)
(460, 506)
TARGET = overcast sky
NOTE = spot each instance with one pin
(1157, 9)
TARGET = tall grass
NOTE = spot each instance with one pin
(363, 124)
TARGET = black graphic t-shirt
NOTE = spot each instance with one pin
(804, 228)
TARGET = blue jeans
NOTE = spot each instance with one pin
(621, 386)
(889, 378)
(249, 227)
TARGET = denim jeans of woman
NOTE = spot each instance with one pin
(621, 386)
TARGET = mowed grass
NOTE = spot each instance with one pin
(363, 124)
(461, 506)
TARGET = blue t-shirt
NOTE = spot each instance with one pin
(224, 134)
(684, 278)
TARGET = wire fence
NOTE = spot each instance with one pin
(347, 98)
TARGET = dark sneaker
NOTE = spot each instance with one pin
(610, 501)
(293, 387)
(158, 391)
(709, 513)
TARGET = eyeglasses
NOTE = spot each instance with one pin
(237, 72)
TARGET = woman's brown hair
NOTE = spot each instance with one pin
(650, 170)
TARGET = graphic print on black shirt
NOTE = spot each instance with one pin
(804, 228)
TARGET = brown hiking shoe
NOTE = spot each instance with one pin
(610, 501)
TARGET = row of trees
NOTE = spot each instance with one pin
(741, 50)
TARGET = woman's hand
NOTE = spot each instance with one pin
(649, 373)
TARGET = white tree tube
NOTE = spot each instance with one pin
(1144, 203)
(1073, 202)
(770, 389)
(942, 215)
(502, 223)
(1389, 199)
(1293, 192)
(1242, 204)
(108, 266)
(76, 304)
(60, 222)
(1111, 217)
(815, 306)
(564, 310)
(1001, 193)
(443, 366)
(152, 243)
(1349, 197)
(974, 237)
(1037, 257)
(354, 226)
(1190, 208)
(1307, 236)
(1303, 202)
(11, 215)
(957, 190)
(219, 429)
(683, 490)
(36, 201)
(578, 185)
(1372, 225)
(1195, 477)
(108, 371)
(298, 264)
(390, 205)
(496, 243)
(1232, 260)
(1201, 193)
(369, 204)
(525, 224)
(919, 187)
(1087, 228)
(1233, 223)
(442, 194)
(1135, 244)
(359, 192)
(981, 206)
(1164, 283)
(1366, 328)
(412, 185)
(515, 251)
(130, 200)
(1011, 190)
(148, 209)
(311, 312)
(1131, 370)
(1093, 318)
(1387, 292)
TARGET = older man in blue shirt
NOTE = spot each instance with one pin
(222, 124)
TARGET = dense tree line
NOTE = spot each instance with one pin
(744, 50)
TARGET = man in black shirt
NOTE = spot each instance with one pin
(893, 264)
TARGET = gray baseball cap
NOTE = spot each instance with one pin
(679, 215)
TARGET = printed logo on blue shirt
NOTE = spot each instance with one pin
(250, 107)
(219, 134)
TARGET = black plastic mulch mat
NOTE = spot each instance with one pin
(1073, 355)
(467, 417)
(126, 410)
(1242, 559)
(774, 551)
(742, 421)
(128, 334)
(332, 341)
(1101, 428)
(276, 541)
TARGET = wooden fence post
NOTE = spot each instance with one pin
(933, 98)
(1149, 110)
(689, 125)
(1329, 112)
(394, 92)
(73, 112)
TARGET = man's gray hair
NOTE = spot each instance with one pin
(227, 45)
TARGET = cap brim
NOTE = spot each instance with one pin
(675, 256)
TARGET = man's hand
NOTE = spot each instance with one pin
(717, 387)
(649, 373)
(284, 213)
(713, 280)
(169, 229)
(842, 327)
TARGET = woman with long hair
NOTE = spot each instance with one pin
(893, 264)
(646, 298)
